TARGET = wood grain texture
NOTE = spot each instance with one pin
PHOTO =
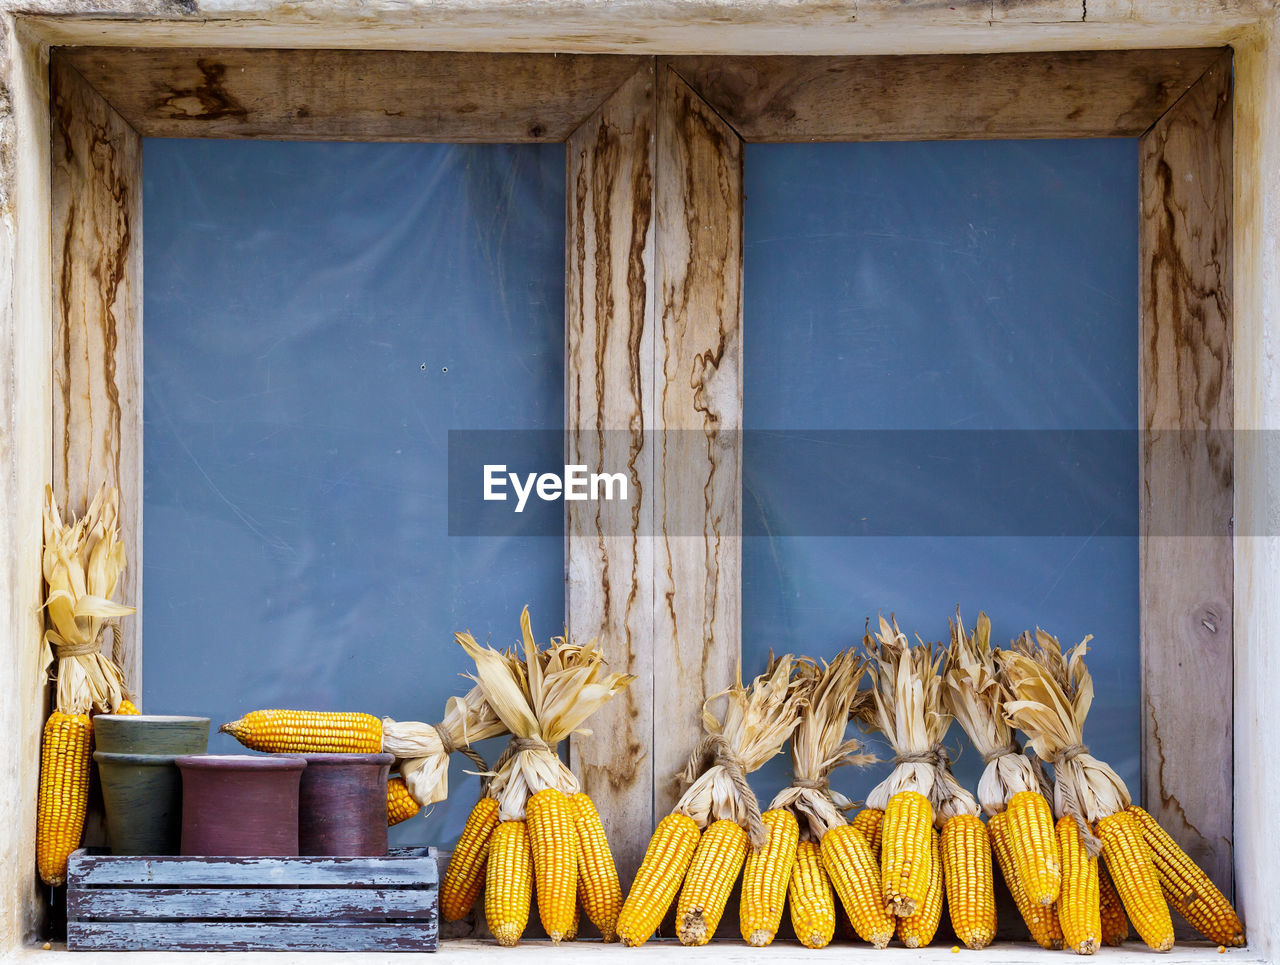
(1187, 471)
(609, 313)
(298, 904)
(698, 468)
(252, 936)
(366, 95)
(1117, 93)
(97, 322)
(404, 867)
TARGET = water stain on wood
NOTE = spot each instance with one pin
(207, 100)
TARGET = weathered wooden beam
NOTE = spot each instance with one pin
(1108, 93)
(350, 95)
(97, 322)
(1187, 483)
(609, 316)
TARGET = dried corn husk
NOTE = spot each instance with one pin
(828, 697)
(422, 750)
(909, 711)
(1052, 692)
(540, 700)
(82, 563)
(755, 723)
(976, 698)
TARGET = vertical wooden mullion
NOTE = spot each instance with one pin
(1186, 555)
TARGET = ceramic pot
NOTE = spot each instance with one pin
(142, 796)
(342, 804)
(150, 734)
(240, 804)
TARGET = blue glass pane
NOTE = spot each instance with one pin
(318, 317)
(953, 286)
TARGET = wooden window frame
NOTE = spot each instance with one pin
(654, 316)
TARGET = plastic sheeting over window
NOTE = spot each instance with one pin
(954, 287)
(318, 317)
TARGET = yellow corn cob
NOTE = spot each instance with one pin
(665, 862)
(572, 934)
(1188, 889)
(765, 877)
(813, 906)
(307, 732)
(400, 803)
(917, 931)
(1041, 920)
(970, 885)
(1035, 846)
(553, 837)
(709, 881)
(66, 749)
(905, 852)
(1128, 858)
(1115, 926)
(849, 863)
(1079, 908)
(127, 706)
(508, 885)
(868, 821)
(599, 892)
(465, 876)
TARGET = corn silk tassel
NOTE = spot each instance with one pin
(699, 848)
(829, 699)
(82, 561)
(540, 699)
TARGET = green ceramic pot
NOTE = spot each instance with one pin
(142, 794)
(150, 734)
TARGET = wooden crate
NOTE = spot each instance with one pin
(118, 903)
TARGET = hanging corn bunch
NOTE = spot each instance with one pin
(534, 820)
(704, 841)
(82, 563)
(1052, 694)
(828, 698)
(1009, 791)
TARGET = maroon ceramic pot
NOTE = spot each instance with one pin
(240, 804)
(342, 804)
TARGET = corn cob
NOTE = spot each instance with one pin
(813, 908)
(307, 731)
(1041, 920)
(1128, 858)
(1115, 926)
(466, 874)
(906, 855)
(400, 803)
(869, 822)
(553, 837)
(917, 930)
(970, 885)
(599, 892)
(66, 750)
(572, 934)
(849, 863)
(508, 885)
(1079, 908)
(710, 880)
(1188, 889)
(765, 877)
(128, 707)
(665, 862)
(1035, 846)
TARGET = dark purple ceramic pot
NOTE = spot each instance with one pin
(342, 804)
(240, 804)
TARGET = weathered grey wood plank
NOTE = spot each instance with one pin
(233, 936)
(97, 301)
(1187, 472)
(365, 95)
(1106, 93)
(609, 313)
(399, 868)
(698, 556)
(302, 904)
